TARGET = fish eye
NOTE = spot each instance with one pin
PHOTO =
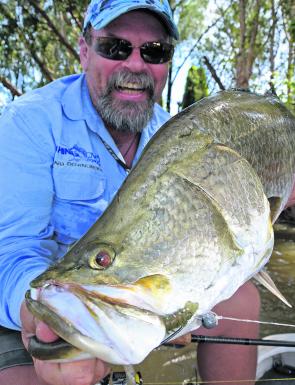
(101, 258)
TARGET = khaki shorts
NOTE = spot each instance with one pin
(12, 350)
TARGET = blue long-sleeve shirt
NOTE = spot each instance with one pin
(56, 179)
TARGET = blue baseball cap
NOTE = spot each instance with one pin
(101, 12)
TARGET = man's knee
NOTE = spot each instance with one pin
(244, 304)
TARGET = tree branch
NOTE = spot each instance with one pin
(193, 47)
(78, 23)
(177, 5)
(241, 76)
(272, 44)
(45, 71)
(7, 84)
(254, 31)
(213, 72)
(61, 38)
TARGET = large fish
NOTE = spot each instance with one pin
(189, 226)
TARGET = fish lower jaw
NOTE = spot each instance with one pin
(34, 293)
(102, 351)
(81, 347)
(118, 335)
(111, 349)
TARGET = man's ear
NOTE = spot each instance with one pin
(84, 53)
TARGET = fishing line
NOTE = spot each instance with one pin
(218, 382)
(255, 321)
(210, 320)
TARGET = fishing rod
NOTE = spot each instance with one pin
(210, 320)
(240, 341)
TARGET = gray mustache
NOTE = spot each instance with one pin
(141, 78)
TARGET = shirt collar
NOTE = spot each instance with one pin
(77, 104)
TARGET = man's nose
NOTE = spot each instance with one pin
(135, 62)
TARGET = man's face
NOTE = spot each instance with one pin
(124, 91)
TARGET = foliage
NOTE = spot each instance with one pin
(39, 40)
(288, 21)
(190, 16)
(251, 45)
(196, 86)
(244, 43)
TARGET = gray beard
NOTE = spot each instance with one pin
(126, 115)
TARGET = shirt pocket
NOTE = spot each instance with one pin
(80, 199)
(78, 182)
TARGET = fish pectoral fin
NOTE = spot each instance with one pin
(265, 280)
(275, 204)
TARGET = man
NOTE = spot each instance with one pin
(65, 150)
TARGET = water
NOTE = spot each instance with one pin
(282, 270)
(172, 366)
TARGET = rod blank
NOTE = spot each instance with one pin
(241, 341)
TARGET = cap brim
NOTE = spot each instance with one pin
(118, 11)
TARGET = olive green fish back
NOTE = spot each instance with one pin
(260, 128)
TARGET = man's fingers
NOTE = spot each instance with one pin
(48, 372)
(183, 340)
(44, 333)
(32, 326)
(27, 319)
(102, 369)
(86, 372)
(78, 373)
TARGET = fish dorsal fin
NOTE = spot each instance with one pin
(265, 280)
(275, 204)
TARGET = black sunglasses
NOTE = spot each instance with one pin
(153, 52)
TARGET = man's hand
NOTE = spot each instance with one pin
(183, 340)
(86, 372)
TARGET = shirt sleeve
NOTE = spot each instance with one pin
(26, 193)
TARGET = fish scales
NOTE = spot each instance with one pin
(188, 227)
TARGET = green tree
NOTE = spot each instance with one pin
(196, 86)
(240, 43)
(190, 15)
(288, 17)
(38, 41)
(247, 47)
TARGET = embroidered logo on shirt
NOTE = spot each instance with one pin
(77, 156)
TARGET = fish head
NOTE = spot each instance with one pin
(105, 300)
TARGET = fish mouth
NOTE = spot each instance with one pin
(98, 323)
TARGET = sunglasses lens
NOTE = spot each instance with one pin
(156, 52)
(119, 49)
(112, 48)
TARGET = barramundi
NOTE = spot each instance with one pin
(189, 226)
